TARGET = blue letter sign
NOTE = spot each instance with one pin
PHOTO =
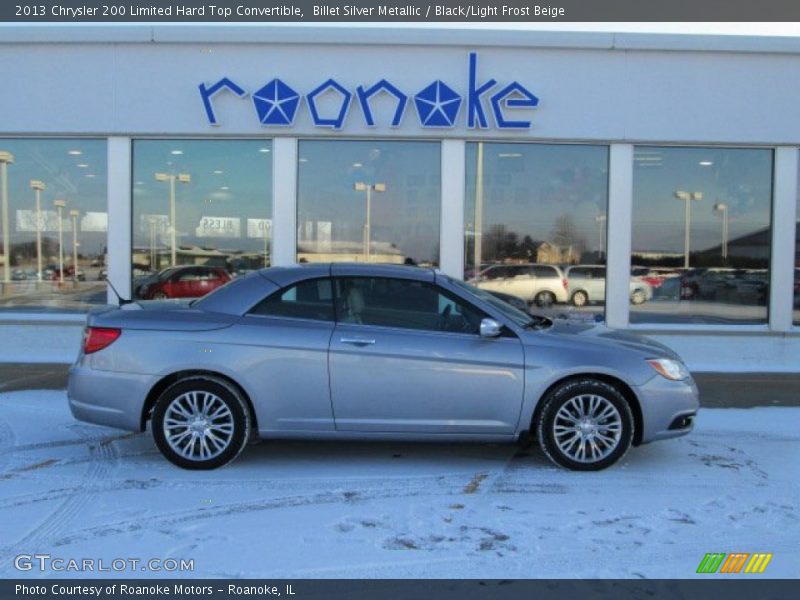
(437, 104)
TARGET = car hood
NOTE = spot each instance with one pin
(582, 333)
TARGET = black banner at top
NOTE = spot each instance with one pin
(368, 11)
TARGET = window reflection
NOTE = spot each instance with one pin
(796, 296)
(219, 195)
(55, 223)
(538, 204)
(369, 202)
(701, 234)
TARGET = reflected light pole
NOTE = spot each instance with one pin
(153, 266)
(601, 225)
(478, 239)
(360, 186)
(722, 209)
(687, 198)
(182, 178)
(38, 187)
(6, 158)
(60, 204)
(74, 214)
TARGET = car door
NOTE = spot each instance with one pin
(281, 351)
(521, 282)
(406, 356)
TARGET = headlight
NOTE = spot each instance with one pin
(671, 369)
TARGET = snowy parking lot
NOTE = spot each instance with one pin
(314, 509)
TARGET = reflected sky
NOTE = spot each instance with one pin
(531, 188)
(738, 178)
(229, 179)
(405, 215)
(72, 170)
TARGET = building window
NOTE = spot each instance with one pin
(540, 204)
(796, 295)
(369, 201)
(218, 194)
(54, 223)
(701, 234)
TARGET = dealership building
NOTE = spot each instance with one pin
(664, 163)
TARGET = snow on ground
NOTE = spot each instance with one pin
(314, 509)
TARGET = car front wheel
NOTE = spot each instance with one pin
(585, 425)
(580, 299)
(201, 422)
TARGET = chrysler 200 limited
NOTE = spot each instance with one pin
(373, 352)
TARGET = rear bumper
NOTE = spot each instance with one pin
(668, 408)
(108, 398)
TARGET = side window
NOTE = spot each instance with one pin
(188, 275)
(312, 299)
(405, 304)
(545, 272)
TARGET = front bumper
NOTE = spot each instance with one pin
(668, 408)
(108, 398)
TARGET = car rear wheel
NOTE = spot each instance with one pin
(544, 299)
(638, 297)
(585, 425)
(580, 298)
(160, 296)
(201, 423)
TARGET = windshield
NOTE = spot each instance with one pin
(513, 314)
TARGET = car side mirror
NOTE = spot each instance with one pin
(490, 328)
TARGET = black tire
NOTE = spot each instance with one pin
(580, 298)
(544, 299)
(558, 398)
(227, 395)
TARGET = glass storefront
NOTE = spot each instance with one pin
(54, 223)
(701, 234)
(218, 195)
(796, 294)
(369, 201)
(536, 222)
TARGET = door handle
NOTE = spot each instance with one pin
(357, 341)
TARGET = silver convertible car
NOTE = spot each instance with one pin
(354, 351)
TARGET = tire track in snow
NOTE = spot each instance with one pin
(103, 458)
(378, 490)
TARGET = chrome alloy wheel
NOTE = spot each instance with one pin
(198, 425)
(587, 428)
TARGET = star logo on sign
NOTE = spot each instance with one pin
(437, 105)
(276, 103)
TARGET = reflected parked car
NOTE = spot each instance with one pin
(587, 284)
(182, 282)
(373, 352)
(542, 285)
(517, 303)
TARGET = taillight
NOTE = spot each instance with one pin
(97, 338)
(564, 283)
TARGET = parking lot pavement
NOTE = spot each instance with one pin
(303, 509)
(717, 390)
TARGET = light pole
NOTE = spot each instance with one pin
(183, 178)
(60, 204)
(153, 265)
(38, 187)
(601, 225)
(74, 214)
(360, 186)
(6, 158)
(687, 198)
(478, 242)
(722, 209)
